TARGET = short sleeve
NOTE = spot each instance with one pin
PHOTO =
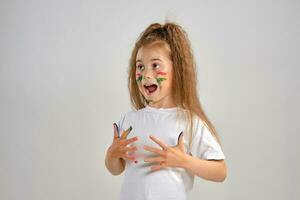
(204, 145)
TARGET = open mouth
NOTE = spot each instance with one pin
(150, 88)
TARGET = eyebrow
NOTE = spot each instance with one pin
(153, 59)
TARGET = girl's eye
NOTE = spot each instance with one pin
(140, 67)
(156, 66)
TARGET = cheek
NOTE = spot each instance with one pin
(164, 78)
(140, 86)
(168, 82)
(138, 78)
(161, 73)
(160, 80)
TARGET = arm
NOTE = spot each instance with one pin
(213, 170)
(114, 165)
(176, 157)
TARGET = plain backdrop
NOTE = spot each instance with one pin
(63, 82)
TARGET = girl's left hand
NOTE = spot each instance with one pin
(167, 156)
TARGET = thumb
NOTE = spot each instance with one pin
(180, 141)
(116, 131)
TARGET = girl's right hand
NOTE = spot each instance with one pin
(119, 148)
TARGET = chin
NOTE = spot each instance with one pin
(151, 98)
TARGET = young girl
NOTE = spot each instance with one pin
(171, 139)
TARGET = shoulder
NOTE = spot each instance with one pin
(205, 145)
(131, 114)
(127, 114)
(198, 123)
(201, 129)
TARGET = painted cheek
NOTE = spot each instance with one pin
(161, 73)
(138, 74)
(139, 77)
(160, 79)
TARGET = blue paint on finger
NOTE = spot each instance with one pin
(117, 129)
(179, 136)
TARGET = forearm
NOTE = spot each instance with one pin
(208, 169)
(114, 165)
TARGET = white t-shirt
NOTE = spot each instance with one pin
(168, 183)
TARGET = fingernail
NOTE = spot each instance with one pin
(117, 128)
(180, 135)
(129, 129)
(115, 125)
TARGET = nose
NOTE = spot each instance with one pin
(148, 73)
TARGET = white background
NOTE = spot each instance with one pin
(63, 82)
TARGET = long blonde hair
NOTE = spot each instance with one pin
(184, 89)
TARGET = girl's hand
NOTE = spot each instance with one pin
(167, 156)
(118, 148)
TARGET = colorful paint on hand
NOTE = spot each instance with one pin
(160, 79)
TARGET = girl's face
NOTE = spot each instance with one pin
(154, 73)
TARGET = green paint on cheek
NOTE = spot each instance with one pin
(159, 80)
(140, 78)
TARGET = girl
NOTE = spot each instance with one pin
(172, 140)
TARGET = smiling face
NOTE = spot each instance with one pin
(154, 72)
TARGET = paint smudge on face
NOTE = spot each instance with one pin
(139, 77)
(160, 79)
(161, 73)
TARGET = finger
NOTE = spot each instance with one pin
(179, 137)
(180, 141)
(159, 142)
(157, 167)
(128, 157)
(129, 149)
(154, 150)
(157, 159)
(116, 132)
(125, 133)
(129, 141)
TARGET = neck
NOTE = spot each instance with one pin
(166, 102)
